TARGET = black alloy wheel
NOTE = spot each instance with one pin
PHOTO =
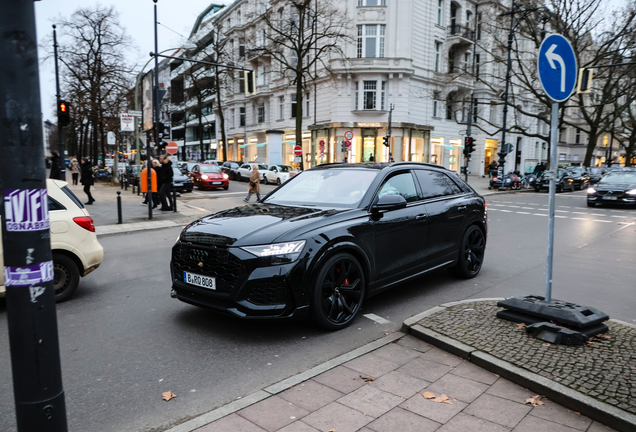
(278, 181)
(338, 293)
(471, 254)
(65, 277)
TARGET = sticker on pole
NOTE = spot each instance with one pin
(26, 210)
(557, 67)
(29, 275)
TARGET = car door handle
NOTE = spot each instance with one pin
(420, 217)
(461, 208)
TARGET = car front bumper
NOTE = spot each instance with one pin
(622, 200)
(244, 286)
(212, 183)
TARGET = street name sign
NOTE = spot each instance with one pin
(556, 64)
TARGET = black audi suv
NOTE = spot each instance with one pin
(616, 187)
(323, 241)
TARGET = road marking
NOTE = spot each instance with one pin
(583, 219)
(562, 211)
(538, 214)
(565, 206)
(620, 217)
(596, 214)
(579, 213)
(523, 212)
(378, 319)
(559, 216)
(528, 208)
(599, 220)
(505, 211)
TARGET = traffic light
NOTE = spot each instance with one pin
(585, 80)
(469, 146)
(344, 146)
(250, 82)
(385, 141)
(162, 146)
(63, 115)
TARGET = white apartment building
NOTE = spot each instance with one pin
(410, 54)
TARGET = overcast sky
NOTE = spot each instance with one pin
(137, 16)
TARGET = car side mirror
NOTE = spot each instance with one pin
(390, 202)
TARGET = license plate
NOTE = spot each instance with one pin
(217, 182)
(198, 280)
(178, 184)
(610, 198)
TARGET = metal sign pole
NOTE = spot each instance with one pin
(554, 165)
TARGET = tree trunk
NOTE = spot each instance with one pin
(299, 109)
(592, 139)
(200, 117)
(217, 89)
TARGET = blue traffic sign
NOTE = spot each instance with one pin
(557, 67)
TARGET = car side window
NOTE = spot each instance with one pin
(400, 184)
(54, 205)
(436, 184)
(195, 168)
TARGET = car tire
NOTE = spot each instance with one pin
(471, 254)
(265, 181)
(226, 187)
(335, 305)
(65, 277)
(278, 181)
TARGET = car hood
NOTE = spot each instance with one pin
(621, 186)
(180, 178)
(255, 224)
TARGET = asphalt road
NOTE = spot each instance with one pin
(124, 341)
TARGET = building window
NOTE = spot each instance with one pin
(382, 105)
(467, 65)
(370, 40)
(241, 47)
(293, 105)
(370, 88)
(238, 18)
(475, 110)
(577, 138)
(261, 112)
(260, 75)
(440, 12)
(232, 117)
(449, 108)
(371, 2)
(436, 104)
(438, 56)
(241, 83)
(493, 113)
(306, 113)
(477, 66)
(281, 107)
(478, 26)
(242, 116)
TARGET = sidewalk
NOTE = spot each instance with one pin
(402, 383)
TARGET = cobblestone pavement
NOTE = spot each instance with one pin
(603, 369)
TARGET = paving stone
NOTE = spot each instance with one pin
(508, 390)
(558, 414)
(457, 387)
(536, 424)
(371, 401)
(341, 378)
(400, 384)
(439, 412)
(311, 395)
(425, 369)
(372, 365)
(297, 426)
(498, 410)
(396, 354)
(475, 373)
(273, 413)
(441, 356)
(599, 427)
(339, 417)
(414, 343)
(233, 423)
(467, 423)
(400, 420)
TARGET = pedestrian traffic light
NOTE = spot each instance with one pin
(385, 141)
(250, 83)
(63, 115)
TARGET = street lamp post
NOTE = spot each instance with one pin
(60, 128)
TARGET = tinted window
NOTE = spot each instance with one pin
(619, 178)
(54, 205)
(401, 184)
(72, 196)
(246, 166)
(285, 168)
(435, 184)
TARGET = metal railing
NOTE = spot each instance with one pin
(461, 31)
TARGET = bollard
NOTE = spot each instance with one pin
(174, 200)
(119, 221)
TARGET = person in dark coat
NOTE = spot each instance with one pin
(87, 179)
(164, 183)
(55, 166)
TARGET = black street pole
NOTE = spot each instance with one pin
(502, 153)
(28, 265)
(60, 128)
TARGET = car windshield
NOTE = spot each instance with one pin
(619, 178)
(577, 171)
(325, 188)
(210, 169)
(177, 171)
(285, 168)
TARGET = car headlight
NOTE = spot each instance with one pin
(225, 176)
(279, 253)
(631, 192)
(204, 177)
(591, 190)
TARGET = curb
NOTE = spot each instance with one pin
(604, 413)
(133, 227)
(281, 386)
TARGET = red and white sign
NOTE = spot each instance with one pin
(348, 135)
(127, 122)
(172, 147)
(322, 148)
(298, 150)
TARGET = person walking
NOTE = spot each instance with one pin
(75, 170)
(165, 181)
(87, 179)
(254, 185)
(55, 166)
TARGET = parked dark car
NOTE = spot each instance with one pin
(580, 177)
(209, 176)
(186, 167)
(616, 187)
(595, 173)
(180, 181)
(231, 169)
(564, 181)
(331, 236)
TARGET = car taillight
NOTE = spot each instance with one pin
(85, 222)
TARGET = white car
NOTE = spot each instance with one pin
(76, 251)
(245, 171)
(278, 174)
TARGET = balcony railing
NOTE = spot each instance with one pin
(461, 31)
